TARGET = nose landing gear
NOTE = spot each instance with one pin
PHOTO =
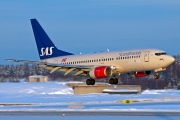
(156, 76)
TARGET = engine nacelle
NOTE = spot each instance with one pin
(142, 74)
(100, 72)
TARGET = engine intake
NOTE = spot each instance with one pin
(100, 72)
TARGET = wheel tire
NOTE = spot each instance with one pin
(156, 76)
(111, 81)
(88, 82)
(116, 81)
(92, 81)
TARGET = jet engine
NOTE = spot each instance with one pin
(100, 72)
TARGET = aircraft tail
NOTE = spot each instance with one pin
(45, 46)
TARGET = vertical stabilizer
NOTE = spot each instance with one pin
(45, 46)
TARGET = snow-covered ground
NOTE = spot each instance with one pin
(58, 92)
(56, 95)
(59, 97)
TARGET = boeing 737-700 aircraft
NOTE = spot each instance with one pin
(137, 63)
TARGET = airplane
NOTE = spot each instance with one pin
(136, 63)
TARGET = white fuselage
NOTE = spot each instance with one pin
(122, 61)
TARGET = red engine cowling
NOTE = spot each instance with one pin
(142, 74)
(100, 72)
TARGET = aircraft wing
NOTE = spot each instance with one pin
(79, 69)
(26, 61)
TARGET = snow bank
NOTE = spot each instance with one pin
(35, 88)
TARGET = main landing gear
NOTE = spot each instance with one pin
(156, 76)
(90, 81)
(113, 80)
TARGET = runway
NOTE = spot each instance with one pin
(89, 113)
(115, 108)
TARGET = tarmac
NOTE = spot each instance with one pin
(88, 113)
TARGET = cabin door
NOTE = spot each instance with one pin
(146, 56)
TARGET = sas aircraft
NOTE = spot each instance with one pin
(137, 63)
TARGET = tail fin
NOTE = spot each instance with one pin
(45, 46)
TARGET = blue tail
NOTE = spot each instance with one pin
(45, 46)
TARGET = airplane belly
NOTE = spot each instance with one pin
(132, 65)
(137, 65)
(150, 65)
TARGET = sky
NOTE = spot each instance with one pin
(89, 26)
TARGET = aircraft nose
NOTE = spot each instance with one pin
(171, 59)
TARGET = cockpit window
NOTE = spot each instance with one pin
(158, 54)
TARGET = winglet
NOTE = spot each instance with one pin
(45, 46)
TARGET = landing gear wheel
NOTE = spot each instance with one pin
(113, 81)
(90, 81)
(156, 75)
(116, 81)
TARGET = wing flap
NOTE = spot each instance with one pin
(55, 69)
(70, 70)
